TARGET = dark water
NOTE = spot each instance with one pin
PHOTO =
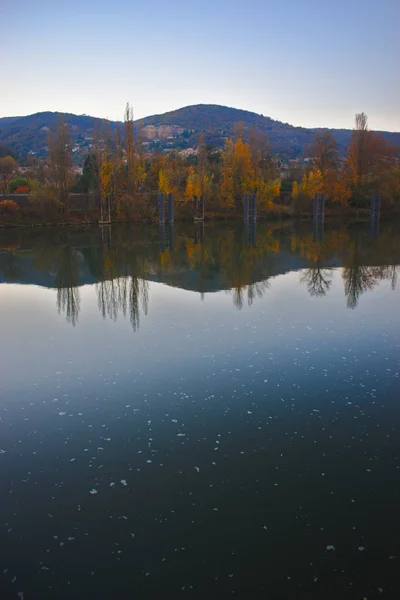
(200, 413)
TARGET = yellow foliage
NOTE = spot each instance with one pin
(193, 184)
(341, 191)
(163, 182)
(311, 184)
(140, 171)
(267, 190)
(242, 168)
(106, 178)
(227, 185)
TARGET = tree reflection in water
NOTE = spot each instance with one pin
(67, 278)
(318, 280)
(122, 264)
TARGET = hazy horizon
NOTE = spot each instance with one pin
(310, 64)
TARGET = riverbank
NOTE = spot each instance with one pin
(278, 214)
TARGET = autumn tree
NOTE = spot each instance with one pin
(323, 151)
(368, 157)
(141, 172)
(106, 184)
(227, 175)
(60, 157)
(129, 147)
(265, 176)
(199, 179)
(193, 185)
(242, 172)
(175, 172)
(7, 168)
(202, 165)
(164, 184)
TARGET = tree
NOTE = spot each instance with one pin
(90, 173)
(129, 147)
(164, 186)
(368, 155)
(265, 176)
(242, 172)
(7, 168)
(202, 164)
(238, 131)
(106, 184)
(59, 143)
(323, 151)
(227, 183)
(193, 186)
(141, 172)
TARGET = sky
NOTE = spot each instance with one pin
(303, 62)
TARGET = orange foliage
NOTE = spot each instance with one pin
(8, 208)
(22, 189)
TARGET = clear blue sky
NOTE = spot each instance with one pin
(301, 61)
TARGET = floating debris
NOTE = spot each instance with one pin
(93, 492)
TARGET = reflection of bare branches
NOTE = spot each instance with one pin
(68, 298)
(109, 298)
(253, 290)
(134, 291)
(256, 289)
(318, 280)
(390, 272)
(68, 301)
(145, 296)
(393, 277)
(238, 297)
(357, 280)
(115, 295)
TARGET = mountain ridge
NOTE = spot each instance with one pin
(179, 129)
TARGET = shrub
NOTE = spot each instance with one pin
(8, 209)
(16, 184)
(44, 198)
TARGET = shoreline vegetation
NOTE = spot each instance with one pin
(121, 182)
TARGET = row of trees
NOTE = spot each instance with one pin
(369, 168)
(122, 180)
(123, 176)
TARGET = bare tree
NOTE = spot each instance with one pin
(129, 147)
(323, 151)
(60, 151)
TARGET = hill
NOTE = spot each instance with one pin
(179, 129)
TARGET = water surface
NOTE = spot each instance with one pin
(202, 411)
